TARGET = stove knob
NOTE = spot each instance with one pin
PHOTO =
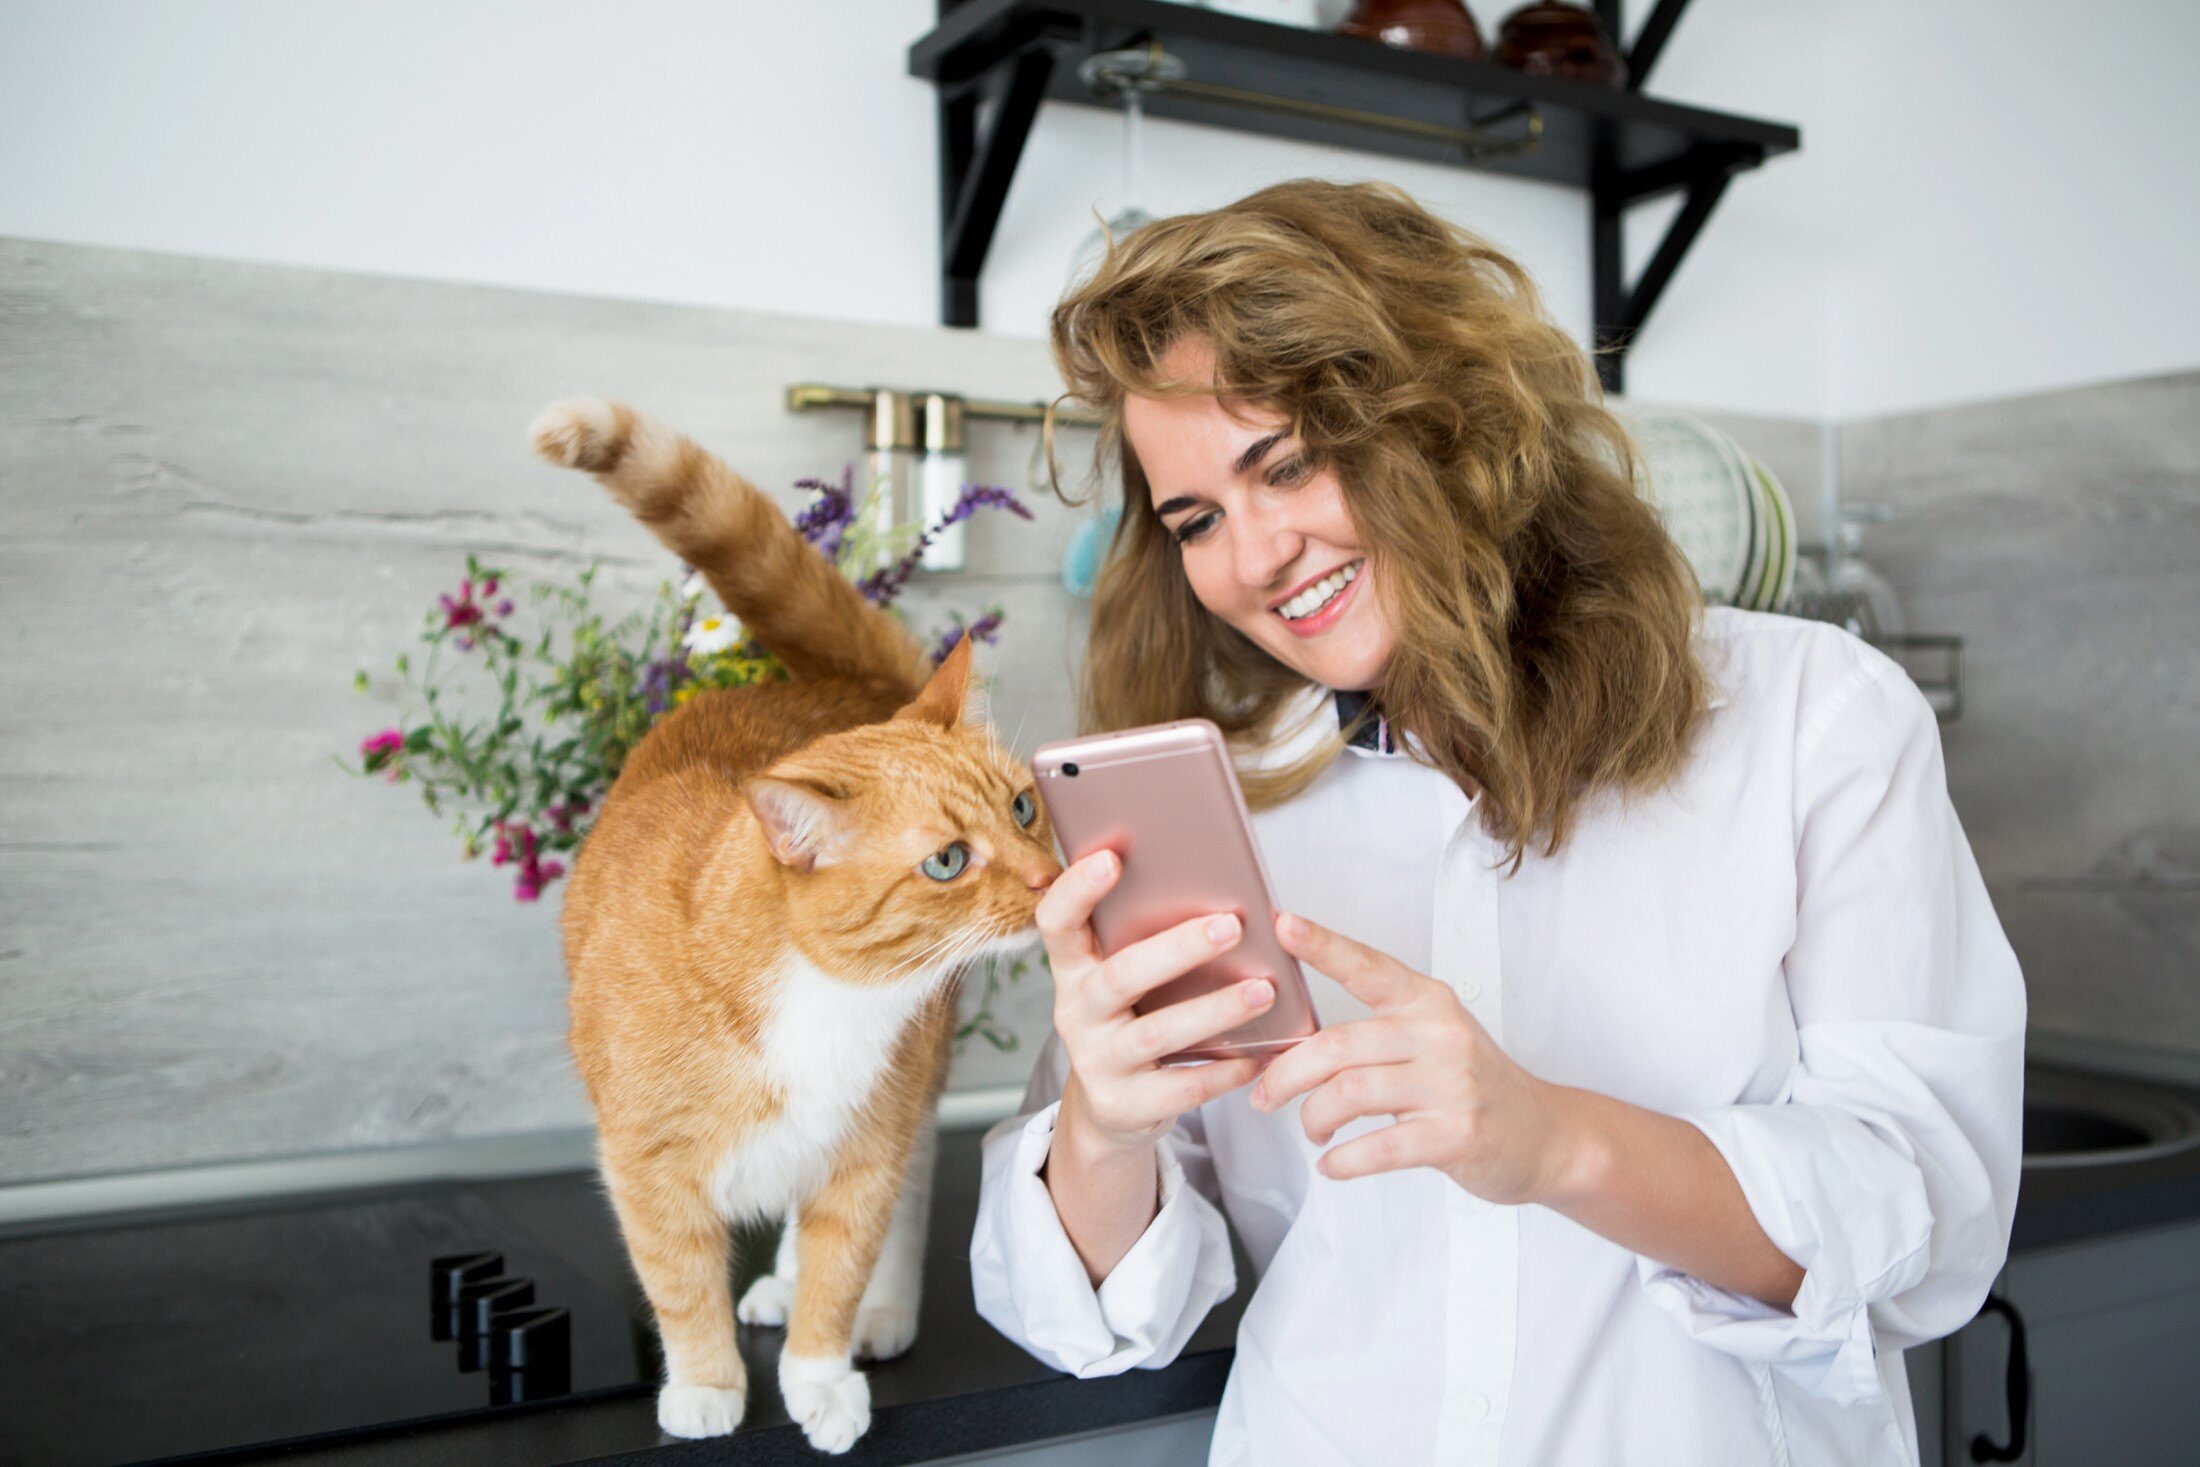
(530, 1355)
(477, 1303)
(446, 1276)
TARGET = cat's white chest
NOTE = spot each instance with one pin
(824, 1047)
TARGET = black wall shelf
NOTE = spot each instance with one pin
(994, 61)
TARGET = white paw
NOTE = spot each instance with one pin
(884, 1330)
(831, 1399)
(766, 1302)
(700, 1410)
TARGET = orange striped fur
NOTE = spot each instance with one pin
(763, 975)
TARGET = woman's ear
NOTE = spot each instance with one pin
(807, 824)
(956, 694)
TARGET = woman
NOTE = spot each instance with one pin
(1669, 1078)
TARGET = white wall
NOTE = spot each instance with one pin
(1989, 199)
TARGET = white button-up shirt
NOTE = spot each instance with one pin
(1790, 947)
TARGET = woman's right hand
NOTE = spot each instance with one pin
(1118, 1094)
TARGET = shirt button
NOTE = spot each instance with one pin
(1474, 1409)
(1470, 989)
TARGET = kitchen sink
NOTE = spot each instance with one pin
(2076, 1119)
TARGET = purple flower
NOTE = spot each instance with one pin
(824, 522)
(983, 629)
(883, 586)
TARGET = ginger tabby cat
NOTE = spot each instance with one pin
(765, 933)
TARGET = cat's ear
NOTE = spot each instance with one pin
(956, 694)
(806, 823)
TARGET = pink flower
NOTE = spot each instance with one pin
(534, 875)
(381, 751)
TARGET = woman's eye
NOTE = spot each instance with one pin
(1290, 471)
(948, 864)
(1192, 529)
(1024, 809)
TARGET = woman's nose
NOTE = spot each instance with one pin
(1264, 545)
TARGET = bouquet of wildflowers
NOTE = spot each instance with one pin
(527, 716)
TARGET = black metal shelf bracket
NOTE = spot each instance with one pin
(975, 174)
(1620, 310)
(995, 61)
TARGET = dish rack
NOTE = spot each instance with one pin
(1933, 660)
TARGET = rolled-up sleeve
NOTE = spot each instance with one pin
(1889, 1171)
(1031, 1285)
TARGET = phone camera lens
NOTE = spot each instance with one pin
(1070, 770)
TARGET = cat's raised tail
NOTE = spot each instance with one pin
(785, 593)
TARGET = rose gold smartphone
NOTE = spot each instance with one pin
(1165, 799)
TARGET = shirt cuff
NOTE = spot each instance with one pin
(1838, 1199)
(1034, 1288)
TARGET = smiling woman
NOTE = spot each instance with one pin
(1325, 379)
(1667, 1080)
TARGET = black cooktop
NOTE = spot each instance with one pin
(305, 1330)
(190, 1333)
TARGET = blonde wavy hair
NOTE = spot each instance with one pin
(1543, 618)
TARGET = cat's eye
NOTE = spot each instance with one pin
(947, 864)
(1025, 810)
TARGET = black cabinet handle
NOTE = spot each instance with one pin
(2018, 1388)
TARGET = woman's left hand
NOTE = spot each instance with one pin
(1462, 1105)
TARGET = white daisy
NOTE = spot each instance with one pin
(712, 634)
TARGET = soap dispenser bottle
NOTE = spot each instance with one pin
(942, 472)
(891, 465)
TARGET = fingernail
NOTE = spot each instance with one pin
(1098, 871)
(1291, 926)
(1257, 992)
(1222, 928)
(1259, 1097)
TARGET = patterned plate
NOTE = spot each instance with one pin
(1704, 492)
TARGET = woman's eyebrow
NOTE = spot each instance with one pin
(1254, 453)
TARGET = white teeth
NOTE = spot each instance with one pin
(1316, 596)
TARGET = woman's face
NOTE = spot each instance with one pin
(1261, 535)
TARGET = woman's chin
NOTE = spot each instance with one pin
(1340, 662)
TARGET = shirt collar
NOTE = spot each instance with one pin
(1377, 736)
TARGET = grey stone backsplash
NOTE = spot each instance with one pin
(226, 486)
(2060, 536)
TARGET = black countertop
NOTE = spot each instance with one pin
(96, 1318)
(122, 1341)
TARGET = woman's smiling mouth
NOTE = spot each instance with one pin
(1315, 608)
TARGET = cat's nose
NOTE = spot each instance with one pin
(1042, 876)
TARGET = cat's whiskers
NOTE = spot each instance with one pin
(969, 944)
(950, 946)
(902, 970)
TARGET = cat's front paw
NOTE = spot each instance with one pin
(700, 1410)
(580, 433)
(829, 1397)
(884, 1330)
(767, 1300)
